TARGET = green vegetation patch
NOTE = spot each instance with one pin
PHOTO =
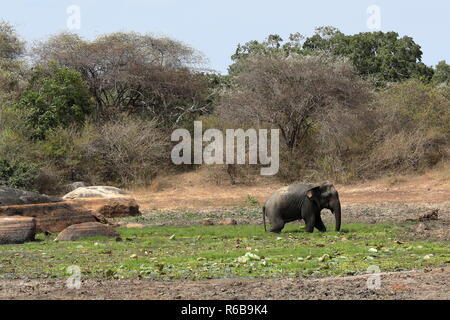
(204, 252)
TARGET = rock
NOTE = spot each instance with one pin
(17, 229)
(100, 218)
(50, 217)
(207, 222)
(11, 196)
(85, 230)
(75, 185)
(96, 192)
(228, 222)
(120, 208)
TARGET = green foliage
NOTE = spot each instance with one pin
(379, 56)
(11, 47)
(56, 97)
(441, 73)
(273, 45)
(199, 252)
(251, 201)
(21, 175)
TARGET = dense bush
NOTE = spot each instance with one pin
(412, 128)
(21, 175)
(56, 97)
(125, 151)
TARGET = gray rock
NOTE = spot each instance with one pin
(75, 185)
(123, 207)
(96, 192)
(10, 196)
(17, 229)
(85, 230)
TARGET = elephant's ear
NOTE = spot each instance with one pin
(313, 192)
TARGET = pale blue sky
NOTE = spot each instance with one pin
(215, 28)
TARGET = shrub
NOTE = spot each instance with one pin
(21, 175)
(125, 151)
(412, 128)
(56, 97)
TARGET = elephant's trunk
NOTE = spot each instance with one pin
(337, 215)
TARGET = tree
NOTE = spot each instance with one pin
(56, 97)
(442, 73)
(12, 69)
(273, 45)
(11, 47)
(133, 73)
(378, 56)
(291, 93)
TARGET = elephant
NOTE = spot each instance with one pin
(302, 201)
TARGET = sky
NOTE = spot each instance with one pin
(215, 27)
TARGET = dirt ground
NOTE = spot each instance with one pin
(419, 284)
(389, 199)
(193, 190)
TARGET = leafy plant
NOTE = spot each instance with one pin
(21, 175)
(56, 97)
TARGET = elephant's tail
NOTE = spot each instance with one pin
(264, 217)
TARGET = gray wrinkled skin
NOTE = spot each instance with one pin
(302, 201)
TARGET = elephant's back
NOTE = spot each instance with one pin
(287, 194)
(299, 188)
(280, 198)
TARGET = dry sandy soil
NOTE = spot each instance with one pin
(192, 190)
(388, 199)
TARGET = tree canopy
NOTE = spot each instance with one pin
(134, 73)
(380, 56)
(56, 97)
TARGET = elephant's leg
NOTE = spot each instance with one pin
(319, 224)
(276, 225)
(310, 223)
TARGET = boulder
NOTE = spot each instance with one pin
(17, 229)
(100, 218)
(96, 192)
(115, 208)
(228, 222)
(11, 196)
(51, 217)
(85, 230)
